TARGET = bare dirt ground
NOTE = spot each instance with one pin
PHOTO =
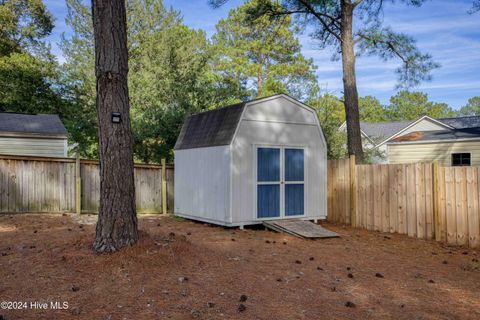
(187, 270)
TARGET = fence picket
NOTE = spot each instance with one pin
(451, 206)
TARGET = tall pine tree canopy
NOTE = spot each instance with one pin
(260, 57)
(28, 71)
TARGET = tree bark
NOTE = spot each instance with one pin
(354, 138)
(117, 224)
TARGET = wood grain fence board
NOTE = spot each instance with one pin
(474, 222)
(370, 198)
(392, 199)
(377, 200)
(364, 207)
(460, 199)
(329, 189)
(429, 201)
(333, 190)
(347, 188)
(472, 206)
(366, 197)
(401, 200)
(410, 200)
(336, 191)
(360, 195)
(341, 191)
(450, 206)
(385, 199)
(344, 187)
(442, 204)
(420, 199)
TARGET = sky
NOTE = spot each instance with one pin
(442, 28)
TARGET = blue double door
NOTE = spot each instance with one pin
(280, 182)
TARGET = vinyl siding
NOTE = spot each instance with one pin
(41, 147)
(424, 125)
(433, 151)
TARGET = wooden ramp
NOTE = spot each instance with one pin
(300, 228)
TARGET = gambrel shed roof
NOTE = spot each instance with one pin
(217, 127)
(211, 128)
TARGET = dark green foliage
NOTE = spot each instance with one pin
(371, 110)
(28, 71)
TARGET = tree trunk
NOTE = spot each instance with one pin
(354, 138)
(117, 219)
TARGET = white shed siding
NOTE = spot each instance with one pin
(202, 183)
(280, 123)
(42, 147)
(433, 151)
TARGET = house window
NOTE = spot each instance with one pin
(461, 159)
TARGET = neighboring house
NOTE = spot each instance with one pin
(253, 161)
(32, 135)
(451, 141)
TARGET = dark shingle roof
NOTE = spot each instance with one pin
(380, 131)
(465, 133)
(462, 122)
(210, 128)
(43, 124)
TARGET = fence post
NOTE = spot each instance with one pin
(78, 185)
(353, 191)
(164, 187)
(436, 201)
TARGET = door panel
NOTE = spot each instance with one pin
(268, 182)
(268, 200)
(294, 182)
(294, 199)
(294, 164)
(268, 164)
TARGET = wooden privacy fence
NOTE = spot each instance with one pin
(32, 184)
(422, 200)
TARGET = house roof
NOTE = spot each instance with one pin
(452, 134)
(40, 124)
(462, 122)
(379, 131)
(211, 128)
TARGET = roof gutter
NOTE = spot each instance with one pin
(434, 141)
(32, 135)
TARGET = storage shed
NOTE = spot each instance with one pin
(253, 161)
(41, 135)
